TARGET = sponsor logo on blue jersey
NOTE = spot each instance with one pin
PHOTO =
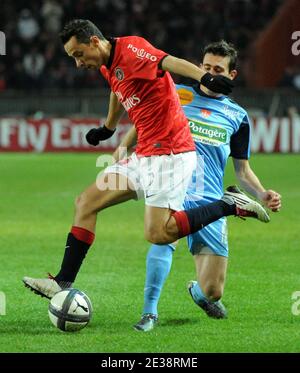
(232, 114)
(210, 134)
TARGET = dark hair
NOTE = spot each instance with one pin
(224, 49)
(82, 29)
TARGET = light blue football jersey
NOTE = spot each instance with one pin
(220, 128)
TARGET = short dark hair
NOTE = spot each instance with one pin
(224, 49)
(82, 29)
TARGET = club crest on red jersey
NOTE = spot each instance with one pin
(119, 73)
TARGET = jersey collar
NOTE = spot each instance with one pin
(112, 52)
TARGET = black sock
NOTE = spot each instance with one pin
(75, 252)
(199, 217)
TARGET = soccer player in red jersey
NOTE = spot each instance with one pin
(161, 166)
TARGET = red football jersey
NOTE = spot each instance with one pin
(149, 96)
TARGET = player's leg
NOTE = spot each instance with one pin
(165, 180)
(100, 195)
(211, 273)
(94, 199)
(207, 291)
(158, 265)
(110, 189)
(210, 251)
(163, 225)
(163, 191)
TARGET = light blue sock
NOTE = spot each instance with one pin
(197, 293)
(158, 265)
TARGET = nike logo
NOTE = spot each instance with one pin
(150, 195)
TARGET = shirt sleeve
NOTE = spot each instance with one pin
(144, 59)
(240, 141)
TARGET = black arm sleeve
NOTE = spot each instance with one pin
(240, 141)
(160, 62)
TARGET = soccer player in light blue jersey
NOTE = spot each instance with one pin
(220, 128)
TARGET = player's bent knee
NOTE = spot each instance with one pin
(152, 237)
(157, 237)
(172, 228)
(84, 205)
(79, 202)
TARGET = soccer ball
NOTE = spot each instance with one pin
(70, 310)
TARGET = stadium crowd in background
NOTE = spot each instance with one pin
(35, 57)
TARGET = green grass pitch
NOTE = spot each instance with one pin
(36, 209)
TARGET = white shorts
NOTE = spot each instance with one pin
(161, 179)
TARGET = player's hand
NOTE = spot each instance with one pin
(95, 135)
(272, 200)
(217, 83)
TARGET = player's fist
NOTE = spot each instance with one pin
(95, 135)
(217, 83)
(272, 200)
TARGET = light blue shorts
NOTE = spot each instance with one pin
(212, 239)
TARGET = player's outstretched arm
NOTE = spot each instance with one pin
(216, 83)
(251, 184)
(182, 67)
(115, 112)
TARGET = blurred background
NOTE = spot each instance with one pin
(47, 104)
